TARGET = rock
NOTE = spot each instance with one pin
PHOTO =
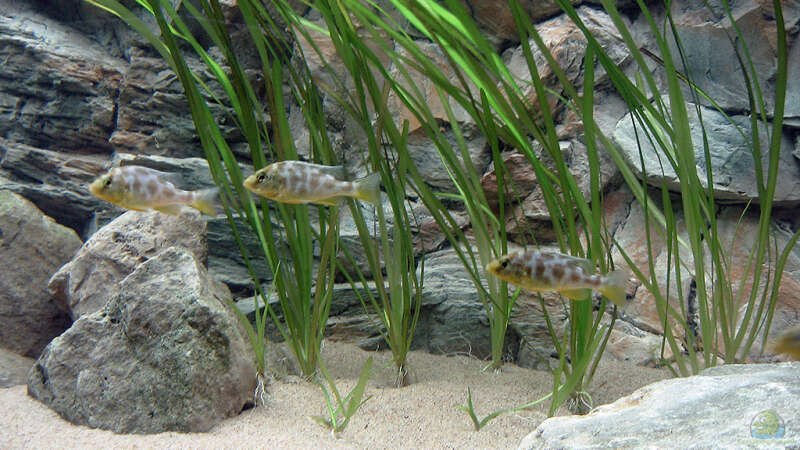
(58, 87)
(498, 21)
(149, 87)
(737, 232)
(567, 44)
(165, 354)
(57, 182)
(347, 321)
(731, 159)
(430, 95)
(32, 248)
(453, 319)
(13, 368)
(530, 216)
(225, 261)
(710, 58)
(93, 276)
(723, 407)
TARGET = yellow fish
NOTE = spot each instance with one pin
(549, 271)
(789, 343)
(302, 182)
(142, 188)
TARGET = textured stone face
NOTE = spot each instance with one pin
(32, 248)
(731, 159)
(93, 277)
(716, 409)
(165, 354)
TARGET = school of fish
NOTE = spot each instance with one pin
(302, 182)
(142, 188)
(549, 271)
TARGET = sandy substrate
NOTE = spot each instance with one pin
(421, 415)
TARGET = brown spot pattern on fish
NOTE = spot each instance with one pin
(303, 182)
(142, 188)
(558, 272)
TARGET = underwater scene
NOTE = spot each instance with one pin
(399, 224)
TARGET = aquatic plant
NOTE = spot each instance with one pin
(344, 408)
(304, 298)
(721, 331)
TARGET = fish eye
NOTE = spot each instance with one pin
(261, 177)
(107, 183)
(504, 263)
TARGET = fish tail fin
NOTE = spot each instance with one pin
(206, 201)
(614, 287)
(369, 188)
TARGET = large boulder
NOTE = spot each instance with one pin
(165, 354)
(93, 276)
(732, 406)
(32, 248)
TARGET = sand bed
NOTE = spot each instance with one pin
(421, 415)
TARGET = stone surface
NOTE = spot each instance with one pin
(711, 61)
(57, 182)
(567, 45)
(528, 218)
(453, 319)
(32, 248)
(165, 354)
(716, 409)
(57, 87)
(13, 368)
(496, 17)
(93, 276)
(731, 159)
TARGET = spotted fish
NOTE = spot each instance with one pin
(550, 271)
(789, 343)
(142, 188)
(302, 182)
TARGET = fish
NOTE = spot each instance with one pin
(302, 182)
(789, 343)
(142, 188)
(549, 271)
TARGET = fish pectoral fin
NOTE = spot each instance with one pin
(577, 294)
(169, 209)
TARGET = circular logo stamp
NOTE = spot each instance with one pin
(767, 425)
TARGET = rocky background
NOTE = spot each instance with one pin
(81, 92)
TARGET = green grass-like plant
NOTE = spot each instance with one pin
(344, 408)
(304, 298)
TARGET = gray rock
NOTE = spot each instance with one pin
(13, 368)
(57, 182)
(58, 87)
(165, 354)
(453, 319)
(723, 407)
(567, 44)
(32, 248)
(731, 159)
(710, 58)
(93, 276)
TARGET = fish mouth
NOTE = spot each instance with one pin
(493, 267)
(250, 182)
(94, 187)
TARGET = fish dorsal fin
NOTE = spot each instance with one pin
(586, 264)
(338, 172)
(172, 177)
